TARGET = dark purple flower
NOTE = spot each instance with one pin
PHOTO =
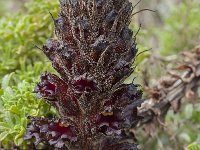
(84, 84)
(52, 131)
(93, 52)
(109, 123)
(48, 86)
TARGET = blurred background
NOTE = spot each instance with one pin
(172, 28)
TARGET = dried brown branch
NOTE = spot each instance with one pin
(181, 82)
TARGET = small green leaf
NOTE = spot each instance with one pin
(17, 127)
(194, 146)
(185, 137)
(4, 126)
(1, 91)
(188, 111)
(3, 135)
(14, 110)
(6, 80)
(19, 141)
(18, 138)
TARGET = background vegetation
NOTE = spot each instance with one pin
(21, 63)
(173, 28)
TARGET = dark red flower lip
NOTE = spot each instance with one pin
(84, 84)
(53, 131)
(109, 123)
(46, 88)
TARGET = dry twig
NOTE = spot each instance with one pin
(181, 82)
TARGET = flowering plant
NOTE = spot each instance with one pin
(93, 51)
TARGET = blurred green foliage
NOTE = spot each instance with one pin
(194, 146)
(20, 66)
(180, 130)
(181, 29)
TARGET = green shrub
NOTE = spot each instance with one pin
(16, 97)
(20, 32)
(20, 66)
(17, 101)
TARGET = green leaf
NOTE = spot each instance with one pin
(1, 91)
(185, 137)
(194, 146)
(3, 135)
(18, 138)
(6, 80)
(14, 109)
(188, 111)
(4, 126)
(19, 141)
(17, 127)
